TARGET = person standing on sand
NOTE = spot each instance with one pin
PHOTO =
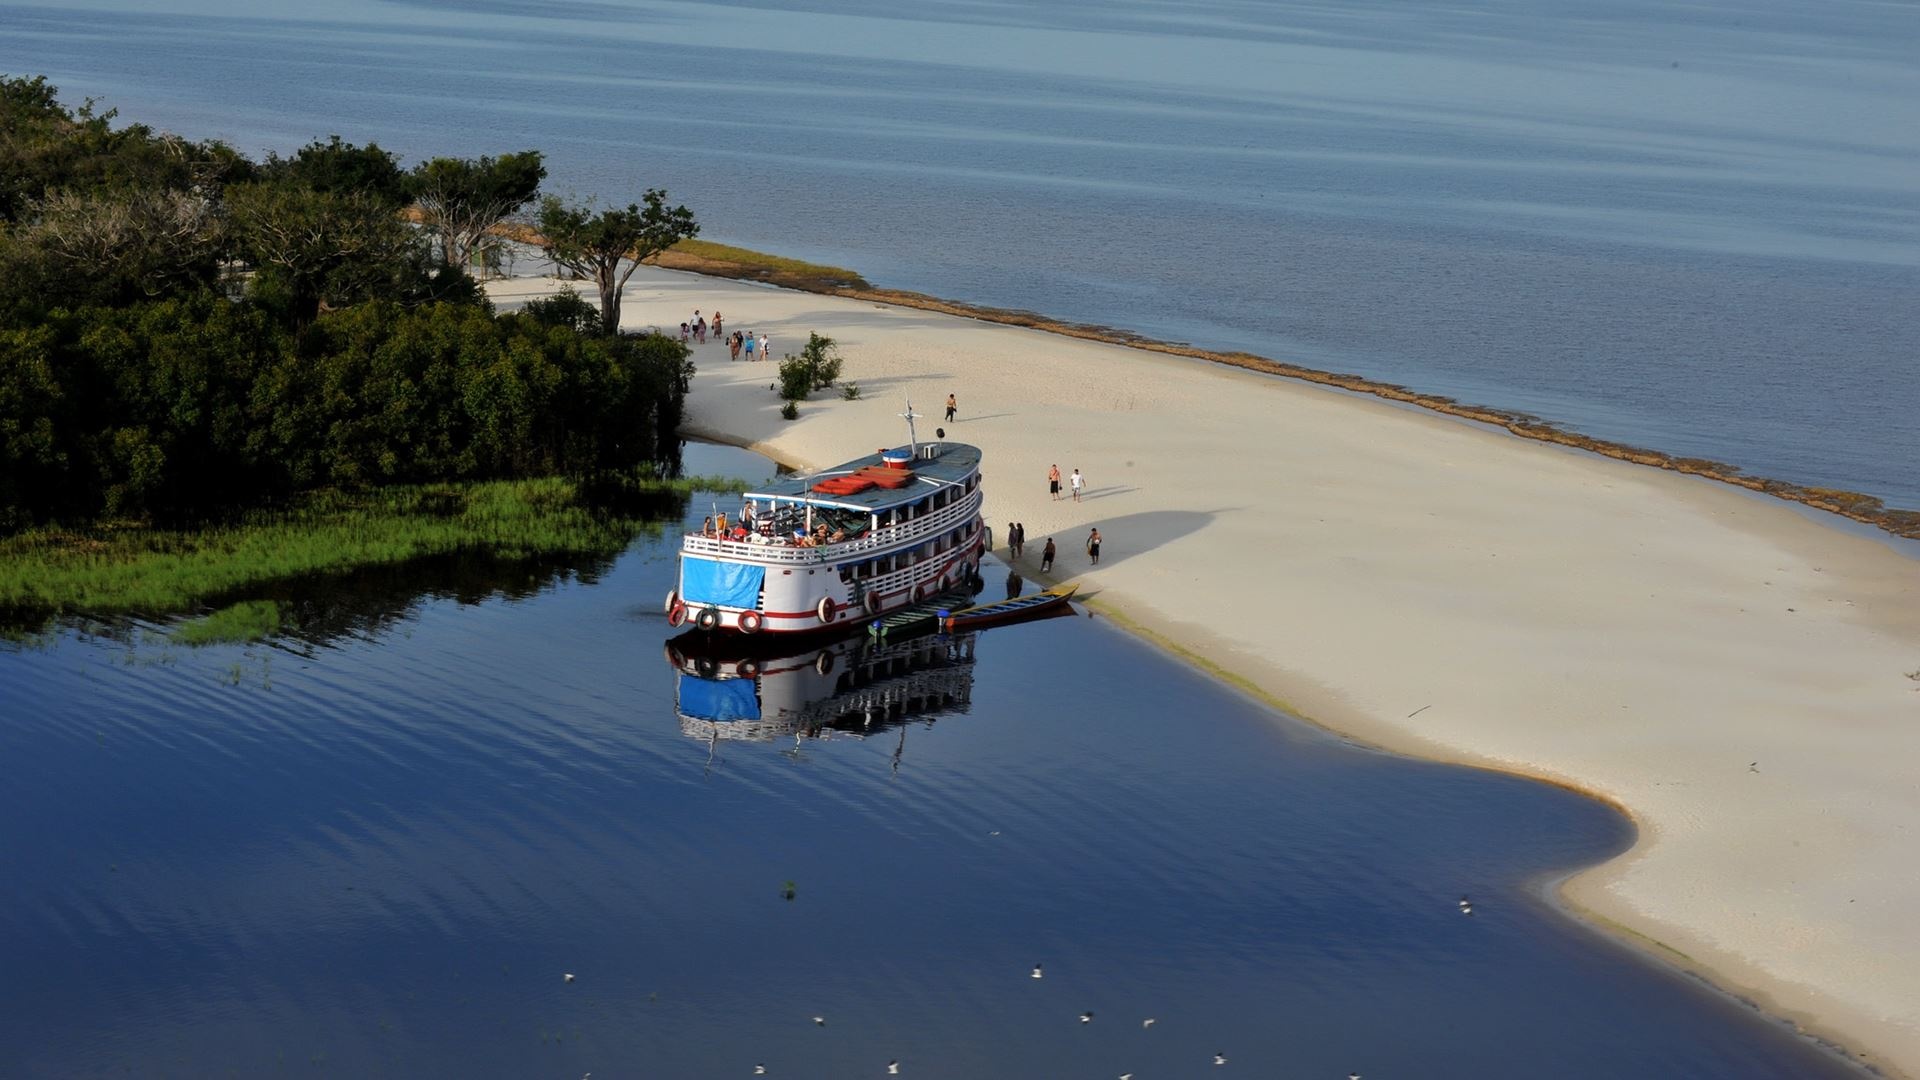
(766, 350)
(1046, 556)
(749, 346)
(1020, 538)
(1093, 546)
(1076, 481)
(717, 328)
(1053, 482)
(953, 406)
(1013, 541)
(733, 347)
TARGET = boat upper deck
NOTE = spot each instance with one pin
(937, 464)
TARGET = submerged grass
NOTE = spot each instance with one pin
(110, 570)
(248, 620)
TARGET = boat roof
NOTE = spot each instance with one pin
(950, 463)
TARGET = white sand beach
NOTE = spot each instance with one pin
(1733, 673)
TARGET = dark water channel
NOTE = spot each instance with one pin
(376, 852)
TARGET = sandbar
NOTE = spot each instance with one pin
(1738, 676)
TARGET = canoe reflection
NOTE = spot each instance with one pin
(854, 686)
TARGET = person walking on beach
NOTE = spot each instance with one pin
(1053, 482)
(953, 406)
(1019, 538)
(1076, 481)
(684, 331)
(749, 346)
(766, 350)
(733, 346)
(1046, 556)
(1093, 546)
(1013, 541)
(717, 329)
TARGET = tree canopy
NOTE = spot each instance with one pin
(184, 331)
(461, 200)
(598, 245)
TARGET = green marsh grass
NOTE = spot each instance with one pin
(110, 570)
(248, 620)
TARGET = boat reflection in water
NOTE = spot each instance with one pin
(854, 686)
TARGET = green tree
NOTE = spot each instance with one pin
(342, 168)
(315, 250)
(596, 246)
(461, 200)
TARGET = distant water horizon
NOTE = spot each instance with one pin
(1694, 230)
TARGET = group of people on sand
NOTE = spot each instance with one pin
(1017, 545)
(1076, 482)
(746, 342)
(697, 328)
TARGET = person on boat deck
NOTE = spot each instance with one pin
(706, 526)
(720, 523)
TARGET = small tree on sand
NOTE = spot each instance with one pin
(596, 245)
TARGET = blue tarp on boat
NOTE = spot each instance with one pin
(722, 584)
(719, 700)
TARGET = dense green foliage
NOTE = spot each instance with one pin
(154, 571)
(816, 368)
(184, 332)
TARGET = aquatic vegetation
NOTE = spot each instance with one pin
(788, 891)
(112, 570)
(723, 260)
(248, 620)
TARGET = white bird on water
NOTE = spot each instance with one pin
(1037, 973)
(819, 1021)
(893, 1068)
(1219, 1059)
(759, 1070)
(568, 977)
(1353, 1076)
(1086, 1017)
(1148, 1022)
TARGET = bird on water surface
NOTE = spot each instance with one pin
(1220, 1059)
(819, 1021)
(893, 1068)
(759, 1070)
(1086, 1017)
(1148, 1022)
(1036, 972)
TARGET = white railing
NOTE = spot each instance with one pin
(906, 533)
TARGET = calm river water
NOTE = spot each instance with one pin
(376, 849)
(1694, 227)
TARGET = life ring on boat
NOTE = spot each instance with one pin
(871, 602)
(823, 663)
(828, 610)
(750, 622)
(708, 619)
(676, 614)
(705, 667)
(748, 668)
(673, 600)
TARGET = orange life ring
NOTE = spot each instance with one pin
(676, 614)
(828, 610)
(871, 602)
(750, 622)
(673, 599)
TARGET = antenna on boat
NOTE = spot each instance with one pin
(913, 441)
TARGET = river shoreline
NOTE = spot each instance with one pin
(833, 281)
(1460, 596)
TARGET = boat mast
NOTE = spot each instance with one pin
(913, 442)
